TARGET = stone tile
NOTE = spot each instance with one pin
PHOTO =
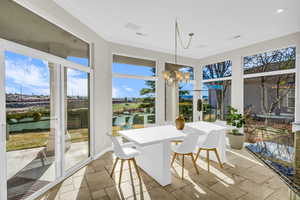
(275, 183)
(257, 190)
(99, 194)
(66, 188)
(160, 194)
(228, 191)
(280, 194)
(243, 178)
(76, 194)
(176, 184)
(79, 182)
(255, 175)
(196, 192)
(98, 180)
(124, 191)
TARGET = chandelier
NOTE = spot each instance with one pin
(174, 76)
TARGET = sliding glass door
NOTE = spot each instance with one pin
(30, 124)
(76, 95)
(45, 123)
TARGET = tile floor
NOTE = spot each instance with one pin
(243, 178)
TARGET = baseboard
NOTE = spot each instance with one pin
(98, 155)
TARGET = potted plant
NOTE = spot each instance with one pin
(236, 136)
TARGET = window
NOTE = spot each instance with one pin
(281, 59)
(216, 99)
(179, 96)
(269, 107)
(133, 66)
(20, 25)
(217, 70)
(274, 96)
(186, 101)
(30, 130)
(133, 99)
(76, 117)
(291, 99)
(216, 95)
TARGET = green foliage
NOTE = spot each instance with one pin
(235, 119)
(138, 119)
(29, 114)
(206, 107)
(37, 116)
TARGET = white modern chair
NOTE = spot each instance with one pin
(186, 148)
(124, 152)
(209, 143)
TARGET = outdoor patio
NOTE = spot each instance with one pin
(243, 178)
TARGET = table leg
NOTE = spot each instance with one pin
(155, 161)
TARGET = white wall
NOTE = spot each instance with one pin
(101, 63)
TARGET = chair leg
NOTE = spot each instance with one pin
(121, 170)
(197, 155)
(114, 166)
(136, 168)
(218, 157)
(182, 165)
(130, 172)
(173, 159)
(194, 163)
(207, 159)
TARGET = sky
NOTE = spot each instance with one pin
(32, 76)
(128, 87)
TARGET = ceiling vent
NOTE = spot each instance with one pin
(133, 27)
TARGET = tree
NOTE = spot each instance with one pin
(271, 61)
(219, 70)
(149, 93)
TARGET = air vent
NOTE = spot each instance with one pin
(133, 27)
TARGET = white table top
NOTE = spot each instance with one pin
(207, 127)
(152, 135)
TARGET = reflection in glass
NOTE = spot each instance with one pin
(269, 106)
(217, 70)
(216, 99)
(76, 117)
(280, 59)
(22, 26)
(30, 124)
(133, 103)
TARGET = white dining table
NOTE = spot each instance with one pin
(155, 146)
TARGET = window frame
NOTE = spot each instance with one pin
(139, 77)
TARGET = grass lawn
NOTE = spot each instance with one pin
(119, 107)
(39, 139)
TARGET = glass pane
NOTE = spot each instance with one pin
(269, 116)
(133, 66)
(30, 105)
(270, 61)
(216, 99)
(76, 117)
(136, 70)
(133, 103)
(217, 70)
(24, 27)
(186, 101)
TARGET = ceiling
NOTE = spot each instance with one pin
(150, 24)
